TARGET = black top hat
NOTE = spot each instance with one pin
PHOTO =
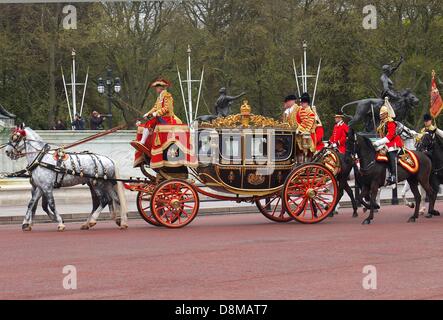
(427, 117)
(290, 97)
(305, 98)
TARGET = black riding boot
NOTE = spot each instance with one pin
(392, 179)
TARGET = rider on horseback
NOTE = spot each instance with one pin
(389, 137)
(339, 134)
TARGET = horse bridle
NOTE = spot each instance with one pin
(14, 142)
(356, 159)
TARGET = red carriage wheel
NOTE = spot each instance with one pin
(143, 204)
(310, 193)
(174, 203)
(273, 209)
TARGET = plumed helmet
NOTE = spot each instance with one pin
(387, 109)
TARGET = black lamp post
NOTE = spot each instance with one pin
(109, 86)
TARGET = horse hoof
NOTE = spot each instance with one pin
(118, 221)
(124, 226)
(435, 213)
(355, 215)
(366, 222)
(92, 224)
(412, 220)
(84, 227)
(429, 216)
(411, 205)
(26, 227)
(61, 227)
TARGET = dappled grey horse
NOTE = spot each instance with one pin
(94, 170)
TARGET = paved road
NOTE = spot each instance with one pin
(228, 257)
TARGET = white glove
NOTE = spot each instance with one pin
(138, 123)
(381, 142)
(155, 114)
(334, 145)
(146, 115)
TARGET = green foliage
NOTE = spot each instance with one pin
(245, 45)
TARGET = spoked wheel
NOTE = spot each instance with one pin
(174, 203)
(143, 205)
(310, 193)
(273, 209)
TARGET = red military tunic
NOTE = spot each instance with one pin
(339, 135)
(395, 141)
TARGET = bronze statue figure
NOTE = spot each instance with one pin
(367, 110)
(388, 84)
(222, 106)
(223, 103)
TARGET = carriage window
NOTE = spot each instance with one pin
(256, 147)
(206, 142)
(231, 146)
(282, 147)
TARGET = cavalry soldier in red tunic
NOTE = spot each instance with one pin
(339, 134)
(388, 132)
(162, 113)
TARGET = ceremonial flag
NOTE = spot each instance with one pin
(436, 100)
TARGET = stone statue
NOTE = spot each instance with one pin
(388, 85)
(223, 103)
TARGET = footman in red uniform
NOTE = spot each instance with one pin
(339, 134)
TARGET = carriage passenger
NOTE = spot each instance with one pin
(389, 137)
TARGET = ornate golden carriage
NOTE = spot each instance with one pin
(243, 158)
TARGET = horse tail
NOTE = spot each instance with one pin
(121, 206)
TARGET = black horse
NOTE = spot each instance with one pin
(346, 165)
(432, 145)
(372, 174)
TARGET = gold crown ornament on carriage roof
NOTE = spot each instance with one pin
(245, 119)
(245, 111)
